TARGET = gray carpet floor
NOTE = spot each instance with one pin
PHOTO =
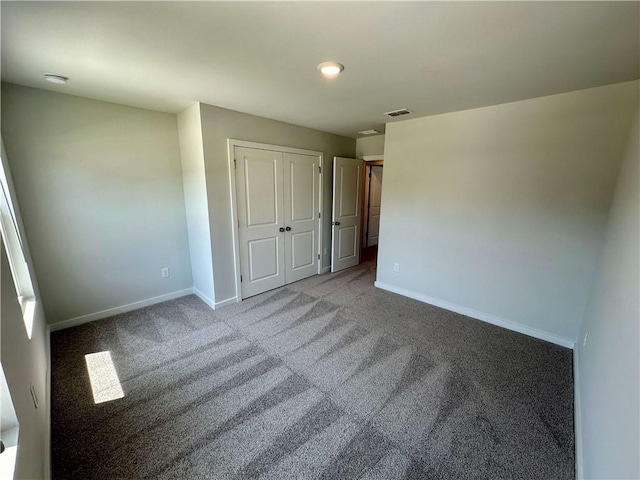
(327, 378)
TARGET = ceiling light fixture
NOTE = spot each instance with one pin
(368, 132)
(55, 78)
(331, 69)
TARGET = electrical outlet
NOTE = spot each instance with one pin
(396, 267)
(164, 271)
(584, 342)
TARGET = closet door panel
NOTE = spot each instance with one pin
(301, 208)
(259, 184)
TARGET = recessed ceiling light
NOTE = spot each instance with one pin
(368, 132)
(331, 69)
(55, 78)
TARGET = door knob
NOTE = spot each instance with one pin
(281, 229)
(336, 223)
(288, 229)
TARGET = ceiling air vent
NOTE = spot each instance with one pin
(369, 132)
(398, 113)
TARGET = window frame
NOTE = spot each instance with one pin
(15, 244)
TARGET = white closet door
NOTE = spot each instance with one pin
(259, 184)
(302, 229)
(347, 204)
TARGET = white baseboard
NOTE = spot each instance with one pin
(500, 322)
(325, 270)
(224, 303)
(577, 414)
(213, 304)
(204, 298)
(72, 322)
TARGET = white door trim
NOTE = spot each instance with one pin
(231, 145)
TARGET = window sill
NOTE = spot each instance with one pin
(28, 306)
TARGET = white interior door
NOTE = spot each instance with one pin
(374, 203)
(347, 206)
(259, 186)
(301, 209)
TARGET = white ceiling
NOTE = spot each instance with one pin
(261, 57)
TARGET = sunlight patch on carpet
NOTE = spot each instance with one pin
(105, 383)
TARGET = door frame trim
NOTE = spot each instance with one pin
(231, 145)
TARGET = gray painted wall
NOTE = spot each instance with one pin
(195, 199)
(608, 365)
(100, 190)
(25, 362)
(219, 124)
(502, 210)
(370, 146)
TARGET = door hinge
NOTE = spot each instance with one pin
(319, 169)
(241, 278)
(234, 163)
(318, 256)
(319, 215)
(369, 172)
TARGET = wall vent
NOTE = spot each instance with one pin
(398, 113)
